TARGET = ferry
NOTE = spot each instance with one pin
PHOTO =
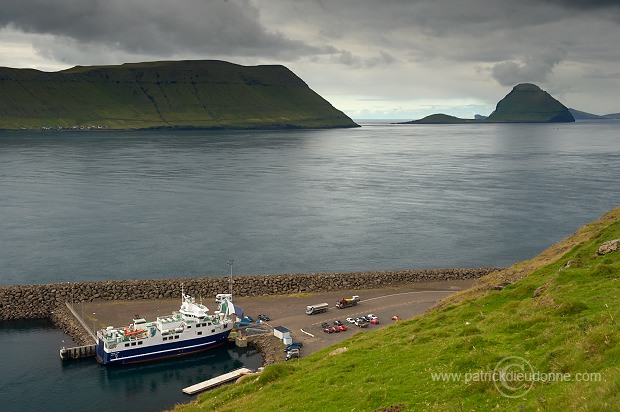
(190, 330)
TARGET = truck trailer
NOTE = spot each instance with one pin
(318, 308)
(347, 302)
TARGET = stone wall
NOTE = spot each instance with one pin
(40, 301)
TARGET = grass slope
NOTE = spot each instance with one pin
(181, 94)
(570, 327)
(527, 103)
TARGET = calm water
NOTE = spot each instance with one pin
(100, 206)
(34, 379)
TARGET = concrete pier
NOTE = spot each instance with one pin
(218, 380)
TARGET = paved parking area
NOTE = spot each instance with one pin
(404, 301)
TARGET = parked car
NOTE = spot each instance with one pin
(361, 324)
(292, 353)
(342, 327)
(337, 323)
(336, 329)
(295, 345)
(264, 318)
(396, 318)
(374, 321)
(371, 316)
(328, 330)
(325, 325)
(350, 320)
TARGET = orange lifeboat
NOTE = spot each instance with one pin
(130, 333)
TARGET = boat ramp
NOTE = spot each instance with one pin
(218, 380)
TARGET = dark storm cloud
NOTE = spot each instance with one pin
(161, 27)
(395, 48)
(422, 29)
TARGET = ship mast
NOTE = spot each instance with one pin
(230, 283)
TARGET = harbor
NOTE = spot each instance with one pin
(404, 301)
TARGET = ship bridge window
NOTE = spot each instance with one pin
(212, 330)
(199, 333)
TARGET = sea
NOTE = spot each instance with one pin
(102, 205)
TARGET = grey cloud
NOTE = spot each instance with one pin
(535, 68)
(158, 27)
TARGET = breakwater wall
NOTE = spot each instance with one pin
(48, 300)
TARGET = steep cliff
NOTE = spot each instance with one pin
(169, 94)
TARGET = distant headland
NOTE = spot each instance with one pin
(526, 103)
(193, 94)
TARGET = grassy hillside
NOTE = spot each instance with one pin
(440, 118)
(529, 104)
(183, 94)
(558, 314)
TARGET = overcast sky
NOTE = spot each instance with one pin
(396, 59)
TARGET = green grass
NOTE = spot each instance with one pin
(185, 94)
(571, 327)
(528, 103)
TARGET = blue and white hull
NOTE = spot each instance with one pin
(190, 330)
(161, 351)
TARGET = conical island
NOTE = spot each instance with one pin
(526, 103)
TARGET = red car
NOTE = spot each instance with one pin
(342, 327)
(374, 321)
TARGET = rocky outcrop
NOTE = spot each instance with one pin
(39, 301)
(609, 247)
(270, 347)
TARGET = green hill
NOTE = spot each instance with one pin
(439, 118)
(554, 320)
(173, 94)
(527, 103)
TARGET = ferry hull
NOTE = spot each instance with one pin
(161, 351)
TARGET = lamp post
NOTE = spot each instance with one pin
(230, 263)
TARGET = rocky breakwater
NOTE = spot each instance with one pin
(49, 300)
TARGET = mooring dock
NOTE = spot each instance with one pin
(77, 352)
(218, 380)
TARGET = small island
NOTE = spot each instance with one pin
(193, 94)
(526, 103)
